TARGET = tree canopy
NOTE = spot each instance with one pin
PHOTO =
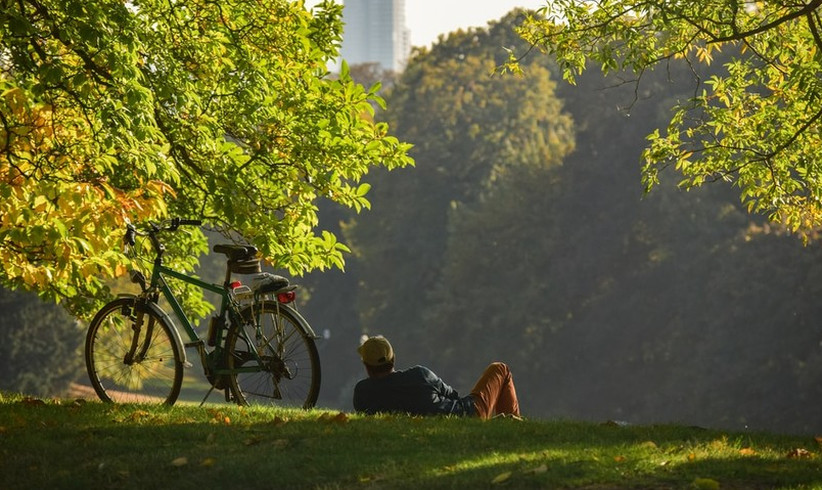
(113, 111)
(757, 123)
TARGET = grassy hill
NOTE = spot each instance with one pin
(79, 444)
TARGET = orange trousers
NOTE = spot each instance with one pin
(494, 393)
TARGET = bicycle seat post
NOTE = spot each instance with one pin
(227, 274)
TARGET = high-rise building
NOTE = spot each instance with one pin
(375, 32)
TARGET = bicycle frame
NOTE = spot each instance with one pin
(158, 282)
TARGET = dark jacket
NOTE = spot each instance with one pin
(416, 391)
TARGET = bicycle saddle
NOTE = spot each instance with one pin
(236, 252)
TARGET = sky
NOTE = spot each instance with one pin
(427, 19)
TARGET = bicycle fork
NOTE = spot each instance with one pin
(132, 356)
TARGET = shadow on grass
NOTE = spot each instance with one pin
(106, 446)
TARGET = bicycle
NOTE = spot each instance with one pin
(258, 349)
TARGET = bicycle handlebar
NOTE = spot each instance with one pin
(190, 222)
(154, 228)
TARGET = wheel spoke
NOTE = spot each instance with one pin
(156, 378)
(288, 367)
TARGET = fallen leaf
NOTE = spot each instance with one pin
(619, 459)
(539, 469)
(799, 453)
(339, 418)
(692, 457)
(747, 451)
(32, 402)
(818, 440)
(208, 462)
(705, 484)
(501, 478)
(181, 461)
(138, 415)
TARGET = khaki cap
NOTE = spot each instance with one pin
(376, 351)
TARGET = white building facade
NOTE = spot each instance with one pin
(375, 32)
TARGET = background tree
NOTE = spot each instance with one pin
(471, 131)
(39, 345)
(113, 111)
(607, 303)
(755, 123)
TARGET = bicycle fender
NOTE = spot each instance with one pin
(301, 319)
(178, 341)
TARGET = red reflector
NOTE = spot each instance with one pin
(235, 284)
(287, 297)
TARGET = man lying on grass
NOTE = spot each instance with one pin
(418, 391)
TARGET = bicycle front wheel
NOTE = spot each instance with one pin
(273, 358)
(132, 356)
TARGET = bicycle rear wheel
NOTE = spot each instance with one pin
(288, 370)
(132, 356)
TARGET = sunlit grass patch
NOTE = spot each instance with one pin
(46, 443)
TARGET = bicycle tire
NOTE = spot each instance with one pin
(291, 374)
(154, 378)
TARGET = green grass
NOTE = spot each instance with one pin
(74, 444)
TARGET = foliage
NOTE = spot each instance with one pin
(224, 445)
(471, 130)
(116, 111)
(607, 303)
(756, 123)
(39, 345)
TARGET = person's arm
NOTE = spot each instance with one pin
(442, 388)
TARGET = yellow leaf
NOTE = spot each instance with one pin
(120, 270)
(705, 484)
(181, 461)
(501, 478)
(799, 453)
(208, 462)
(746, 451)
(252, 441)
(138, 414)
(539, 469)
